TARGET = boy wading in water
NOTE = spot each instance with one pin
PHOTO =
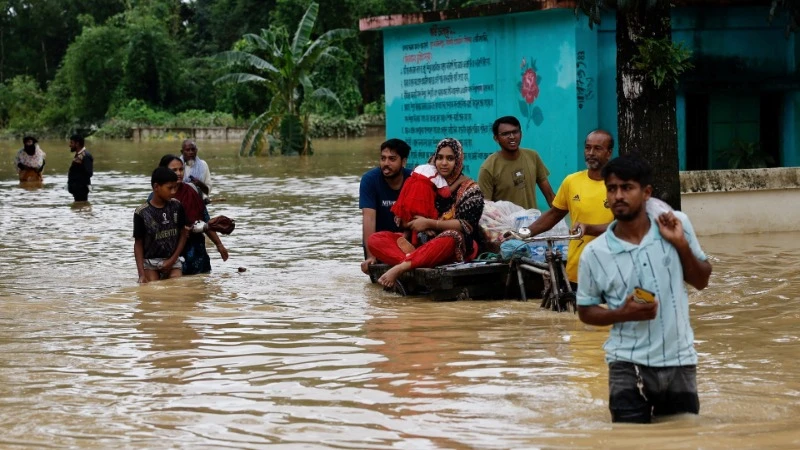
(159, 230)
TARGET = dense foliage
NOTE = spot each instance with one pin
(86, 64)
(288, 69)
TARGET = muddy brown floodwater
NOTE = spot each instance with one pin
(300, 351)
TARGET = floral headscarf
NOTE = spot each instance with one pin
(465, 204)
(458, 152)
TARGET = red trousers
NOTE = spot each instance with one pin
(383, 245)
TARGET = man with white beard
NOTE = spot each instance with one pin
(196, 170)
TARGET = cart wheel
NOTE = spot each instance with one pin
(568, 302)
(463, 295)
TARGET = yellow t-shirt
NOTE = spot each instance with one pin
(586, 201)
(513, 181)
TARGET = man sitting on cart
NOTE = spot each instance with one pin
(378, 191)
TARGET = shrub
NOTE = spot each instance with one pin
(137, 113)
(376, 108)
(328, 127)
(201, 118)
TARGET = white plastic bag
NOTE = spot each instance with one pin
(656, 207)
(501, 216)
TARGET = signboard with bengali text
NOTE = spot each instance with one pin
(454, 78)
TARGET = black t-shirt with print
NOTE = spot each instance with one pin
(159, 228)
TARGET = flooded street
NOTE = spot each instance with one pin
(301, 351)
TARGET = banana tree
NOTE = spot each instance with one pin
(287, 68)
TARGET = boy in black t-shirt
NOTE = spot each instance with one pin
(159, 230)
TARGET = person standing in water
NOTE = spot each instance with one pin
(639, 266)
(582, 195)
(196, 170)
(159, 230)
(30, 161)
(512, 173)
(81, 170)
(196, 259)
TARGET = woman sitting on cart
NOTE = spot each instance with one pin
(453, 232)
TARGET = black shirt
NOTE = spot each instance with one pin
(160, 228)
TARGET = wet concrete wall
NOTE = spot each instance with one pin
(209, 133)
(742, 201)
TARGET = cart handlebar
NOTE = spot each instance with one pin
(524, 234)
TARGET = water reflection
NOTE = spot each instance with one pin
(162, 316)
(300, 351)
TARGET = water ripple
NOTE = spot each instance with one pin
(300, 351)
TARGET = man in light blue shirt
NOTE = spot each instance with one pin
(650, 348)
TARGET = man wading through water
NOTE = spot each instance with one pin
(650, 348)
(81, 170)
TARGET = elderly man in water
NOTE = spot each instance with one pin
(197, 173)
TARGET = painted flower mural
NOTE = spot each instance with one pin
(529, 89)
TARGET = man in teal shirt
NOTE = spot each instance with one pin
(650, 349)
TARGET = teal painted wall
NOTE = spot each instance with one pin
(454, 78)
(586, 79)
(607, 75)
(739, 33)
(738, 36)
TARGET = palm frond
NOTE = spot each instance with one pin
(232, 57)
(249, 135)
(337, 34)
(317, 48)
(259, 133)
(259, 139)
(308, 86)
(325, 94)
(303, 33)
(277, 104)
(239, 78)
(256, 40)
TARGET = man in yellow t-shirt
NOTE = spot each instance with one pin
(512, 173)
(583, 196)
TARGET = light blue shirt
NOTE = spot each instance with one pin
(610, 268)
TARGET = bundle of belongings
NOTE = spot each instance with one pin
(501, 216)
(222, 224)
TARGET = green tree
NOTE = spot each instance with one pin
(287, 69)
(131, 56)
(646, 119)
(92, 71)
(34, 34)
(212, 26)
(151, 62)
(21, 101)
